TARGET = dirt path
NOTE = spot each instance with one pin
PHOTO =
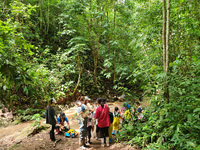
(17, 136)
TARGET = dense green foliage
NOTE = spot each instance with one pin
(56, 48)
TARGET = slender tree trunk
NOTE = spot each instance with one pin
(79, 75)
(165, 36)
(41, 15)
(48, 18)
(108, 35)
(114, 48)
(167, 52)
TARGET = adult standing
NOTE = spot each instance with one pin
(102, 114)
(90, 123)
(51, 117)
(82, 113)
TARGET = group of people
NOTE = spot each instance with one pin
(88, 116)
(93, 116)
(98, 116)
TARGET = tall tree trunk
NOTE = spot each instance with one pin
(165, 36)
(114, 48)
(79, 75)
(48, 18)
(41, 15)
(108, 38)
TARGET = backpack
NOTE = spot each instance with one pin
(85, 113)
(71, 133)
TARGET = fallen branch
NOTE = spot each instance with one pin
(54, 144)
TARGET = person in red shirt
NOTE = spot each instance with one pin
(102, 114)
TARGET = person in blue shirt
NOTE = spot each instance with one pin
(60, 123)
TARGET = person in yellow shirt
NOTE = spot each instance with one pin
(127, 114)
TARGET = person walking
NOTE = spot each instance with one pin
(51, 117)
(102, 114)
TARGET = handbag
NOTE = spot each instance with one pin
(97, 120)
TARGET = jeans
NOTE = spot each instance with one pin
(83, 129)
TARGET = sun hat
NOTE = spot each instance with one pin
(62, 114)
(87, 98)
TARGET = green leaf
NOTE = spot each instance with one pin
(198, 147)
(196, 110)
(4, 87)
(26, 90)
(115, 87)
(191, 144)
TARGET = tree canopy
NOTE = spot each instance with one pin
(58, 48)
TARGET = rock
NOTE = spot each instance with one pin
(18, 141)
(17, 121)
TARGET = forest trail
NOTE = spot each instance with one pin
(20, 136)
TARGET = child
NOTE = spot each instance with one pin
(90, 127)
(111, 126)
(139, 111)
(96, 105)
(116, 115)
(127, 114)
(60, 123)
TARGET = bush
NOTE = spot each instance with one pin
(173, 125)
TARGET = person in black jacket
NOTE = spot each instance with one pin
(51, 117)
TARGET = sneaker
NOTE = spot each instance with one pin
(102, 146)
(110, 140)
(113, 132)
(88, 143)
(82, 147)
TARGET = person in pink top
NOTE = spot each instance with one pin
(102, 114)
